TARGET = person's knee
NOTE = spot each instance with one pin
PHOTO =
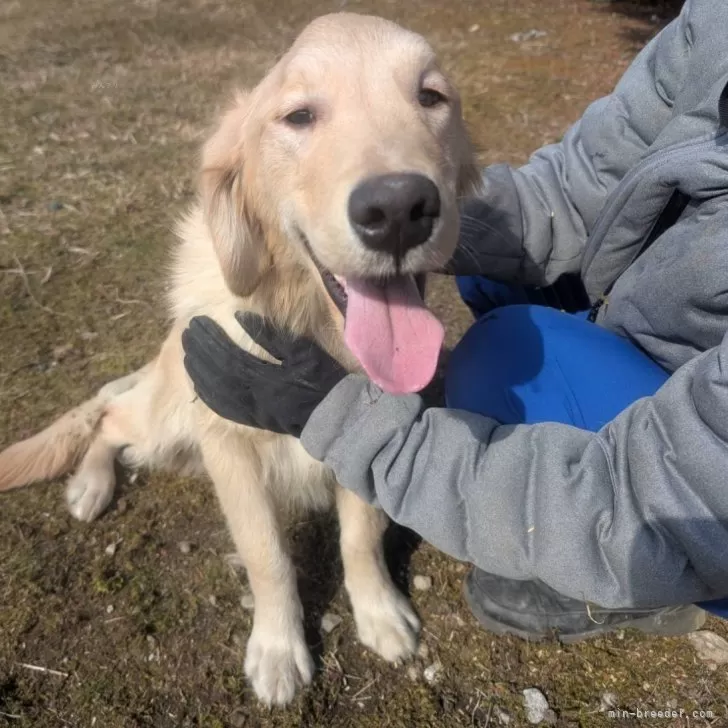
(528, 363)
(501, 349)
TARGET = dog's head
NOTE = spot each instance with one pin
(353, 148)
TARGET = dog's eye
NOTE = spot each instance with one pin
(300, 117)
(428, 98)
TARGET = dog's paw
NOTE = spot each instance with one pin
(89, 493)
(277, 665)
(387, 624)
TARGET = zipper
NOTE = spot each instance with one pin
(670, 215)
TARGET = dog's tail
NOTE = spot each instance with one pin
(55, 450)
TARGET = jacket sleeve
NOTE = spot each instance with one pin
(531, 224)
(635, 515)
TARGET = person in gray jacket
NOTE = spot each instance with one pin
(582, 461)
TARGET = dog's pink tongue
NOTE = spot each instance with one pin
(394, 337)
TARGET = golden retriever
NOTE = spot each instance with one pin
(346, 161)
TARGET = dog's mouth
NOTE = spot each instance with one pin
(335, 287)
(388, 328)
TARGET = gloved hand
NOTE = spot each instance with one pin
(241, 387)
(490, 227)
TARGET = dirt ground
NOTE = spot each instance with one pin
(102, 111)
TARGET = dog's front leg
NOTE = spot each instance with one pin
(385, 621)
(277, 658)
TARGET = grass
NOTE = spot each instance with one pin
(104, 107)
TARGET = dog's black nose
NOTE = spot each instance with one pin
(393, 213)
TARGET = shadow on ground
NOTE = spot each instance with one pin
(652, 14)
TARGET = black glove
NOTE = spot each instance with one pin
(491, 226)
(241, 387)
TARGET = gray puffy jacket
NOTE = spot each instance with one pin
(635, 199)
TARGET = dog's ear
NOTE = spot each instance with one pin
(236, 233)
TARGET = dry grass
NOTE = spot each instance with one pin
(103, 107)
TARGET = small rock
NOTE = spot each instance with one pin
(710, 647)
(501, 716)
(238, 719)
(110, 609)
(528, 35)
(62, 351)
(608, 701)
(646, 687)
(412, 673)
(122, 506)
(212, 599)
(247, 601)
(423, 651)
(422, 583)
(433, 673)
(184, 546)
(474, 28)
(110, 550)
(537, 707)
(330, 622)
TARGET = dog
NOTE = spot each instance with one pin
(323, 192)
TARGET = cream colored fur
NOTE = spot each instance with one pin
(264, 185)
